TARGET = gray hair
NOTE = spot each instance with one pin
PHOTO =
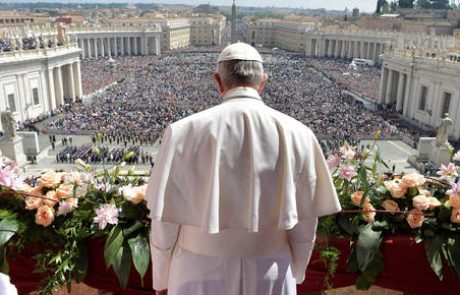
(240, 72)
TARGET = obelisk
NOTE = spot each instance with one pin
(233, 36)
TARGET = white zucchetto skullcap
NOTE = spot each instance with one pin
(240, 51)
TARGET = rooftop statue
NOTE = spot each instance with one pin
(8, 124)
(442, 135)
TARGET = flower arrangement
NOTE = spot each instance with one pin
(378, 204)
(63, 209)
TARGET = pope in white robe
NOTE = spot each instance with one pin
(236, 192)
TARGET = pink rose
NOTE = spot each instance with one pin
(369, 212)
(50, 179)
(397, 190)
(51, 198)
(347, 172)
(415, 218)
(356, 198)
(421, 202)
(412, 180)
(454, 201)
(390, 206)
(44, 216)
(434, 203)
(455, 217)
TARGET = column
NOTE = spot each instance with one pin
(80, 45)
(70, 83)
(368, 51)
(102, 46)
(383, 80)
(77, 79)
(157, 46)
(122, 46)
(115, 45)
(109, 47)
(88, 44)
(406, 96)
(129, 45)
(95, 47)
(59, 92)
(399, 99)
(136, 52)
(389, 86)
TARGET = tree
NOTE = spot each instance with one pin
(380, 4)
(406, 3)
(433, 4)
(394, 6)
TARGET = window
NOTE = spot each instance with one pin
(422, 102)
(35, 96)
(445, 104)
(11, 103)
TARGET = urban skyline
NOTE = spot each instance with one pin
(363, 5)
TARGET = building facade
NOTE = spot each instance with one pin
(33, 82)
(422, 86)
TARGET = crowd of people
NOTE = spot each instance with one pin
(69, 154)
(153, 91)
(365, 80)
(27, 43)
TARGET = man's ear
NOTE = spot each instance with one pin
(218, 82)
(262, 85)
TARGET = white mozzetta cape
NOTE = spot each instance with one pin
(240, 164)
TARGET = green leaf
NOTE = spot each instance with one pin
(8, 227)
(113, 244)
(364, 282)
(433, 248)
(81, 265)
(367, 246)
(122, 265)
(346, 223)
(133, 230)
(4, 267)
(452, 254)
(352, 262)
(140, 251)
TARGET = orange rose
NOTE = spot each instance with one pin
(50, 179)
(390, 206)
(64, 191)
(396, 189)
(134, 194)
(434, 203)
(31, 202)
(51, 199)
(455, 217)
(369, 212)
(356, 198)
(44, 216)
(73, 178)
(415, 218)
(454, 201)
(421, 202)
(412, 180)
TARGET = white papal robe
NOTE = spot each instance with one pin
(234, 198)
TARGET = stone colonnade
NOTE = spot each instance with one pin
(394, 89)
(64, 83)
(112, 44)
(340, 46)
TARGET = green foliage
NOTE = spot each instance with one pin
(433, 4)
